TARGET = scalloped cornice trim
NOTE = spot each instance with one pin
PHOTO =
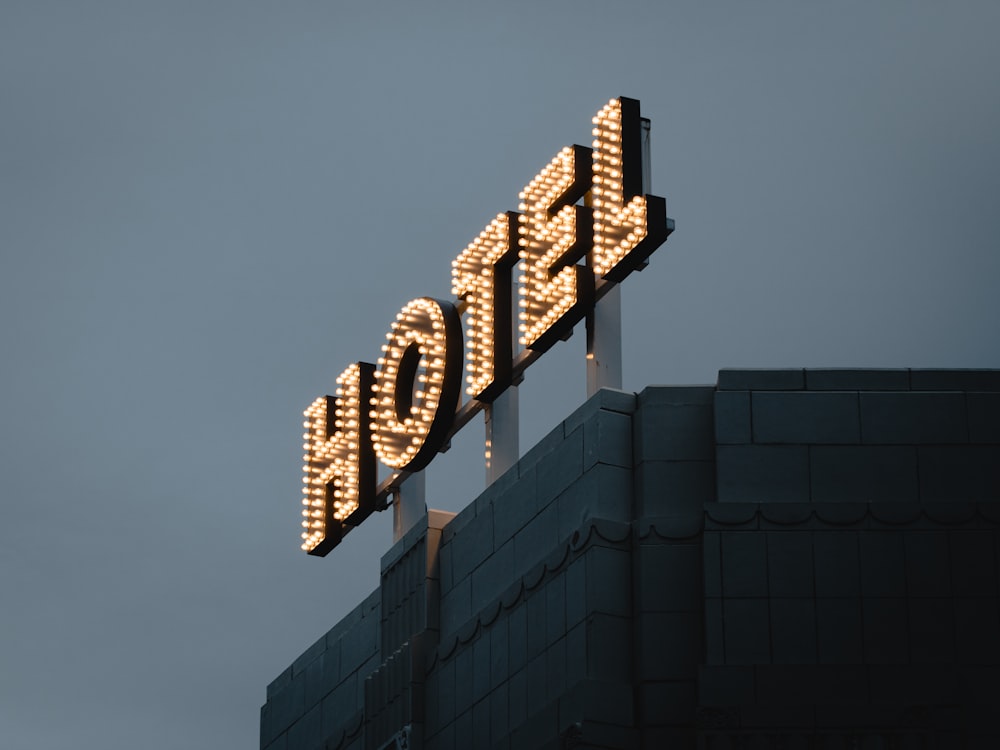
(347, 733)
(869, 515)
(596, 532)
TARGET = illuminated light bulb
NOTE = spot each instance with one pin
(551, 245)
(334, 466)
(481, 277)
(621, 221)
(426, 348)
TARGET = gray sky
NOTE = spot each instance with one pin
(209, 209)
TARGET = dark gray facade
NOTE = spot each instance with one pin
(791, 558)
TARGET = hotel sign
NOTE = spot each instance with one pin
(583, 225)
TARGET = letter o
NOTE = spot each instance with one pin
(417, 384)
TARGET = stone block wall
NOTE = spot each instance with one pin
(850, 564)
(857, 435)
(319, 699)
(789, 558)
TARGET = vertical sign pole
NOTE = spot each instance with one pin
(604, 343)
(501, 434)
(409, 504)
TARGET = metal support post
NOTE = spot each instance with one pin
(502, 430)
(409, 504)
(604, 343)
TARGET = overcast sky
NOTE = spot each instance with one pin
(208, 209)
